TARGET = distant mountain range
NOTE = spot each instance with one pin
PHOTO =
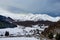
(9, 22)
(26, 19)
(29, 16)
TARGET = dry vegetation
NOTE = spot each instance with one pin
(51, 29)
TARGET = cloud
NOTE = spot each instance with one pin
(34, 6)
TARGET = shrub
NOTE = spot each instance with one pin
(50, 35)
(1, 35)
(57, 37)
(6, 33)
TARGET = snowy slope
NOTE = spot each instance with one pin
(28, 16)
(20, 33)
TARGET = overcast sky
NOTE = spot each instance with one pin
(35, 6)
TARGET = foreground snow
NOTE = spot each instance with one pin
(20, 33)
(19, 38)
(23, 31)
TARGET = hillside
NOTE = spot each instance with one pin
(30, 23)
(6, 22)
(55, 28)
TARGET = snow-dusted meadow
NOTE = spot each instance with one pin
(21, 32)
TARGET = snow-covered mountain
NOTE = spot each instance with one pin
(29, 16)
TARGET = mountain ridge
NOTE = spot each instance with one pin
(29, 16)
